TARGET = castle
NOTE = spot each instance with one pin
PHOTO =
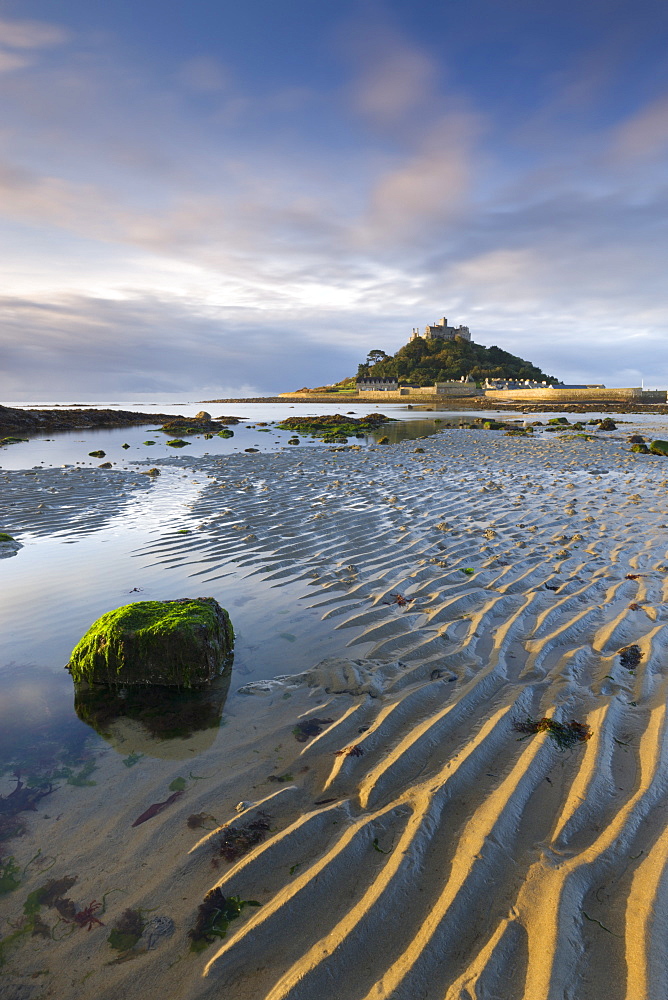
(441, 331)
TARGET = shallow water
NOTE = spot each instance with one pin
(90, 554)
(309, 551)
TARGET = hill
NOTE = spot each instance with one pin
(423, 362)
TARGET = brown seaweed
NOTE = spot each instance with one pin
(630, 657)
(564, 734)
(237, 841)
(306, 730)
(156, 808)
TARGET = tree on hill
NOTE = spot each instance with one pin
(423, 362)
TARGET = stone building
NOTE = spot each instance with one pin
(371, 384)
(441, 331)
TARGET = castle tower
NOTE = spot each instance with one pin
(441, 331)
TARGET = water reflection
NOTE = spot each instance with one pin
(159, 722)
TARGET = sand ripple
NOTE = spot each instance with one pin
(447, 858)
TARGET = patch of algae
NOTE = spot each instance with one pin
(153, 642)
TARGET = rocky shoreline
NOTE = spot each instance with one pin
(15, 419)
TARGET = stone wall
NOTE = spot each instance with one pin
(636, 395)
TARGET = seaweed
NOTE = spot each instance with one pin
(630, 657)
(306, 730)
(156, 808)
(564, 734)
(132, 759)
(280, 777)
(237, 841)
(198, 821)
(127, 930)
(48, 894)
(352, 751)
(213, 918)
(10, 875)
(334, 425)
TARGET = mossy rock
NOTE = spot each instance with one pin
(607, 425)
(12, 440)
(97, 454)
(558, 420)
(659, 447)
(177, 443)
(225, 433)
(492, 425)
(642, 449)
(183, 643)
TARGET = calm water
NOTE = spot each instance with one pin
(64, 578)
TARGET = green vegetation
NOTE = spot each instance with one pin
(177, 443)
(11, 440)
(127, 930)
(4, 537)
(334, 427)
(423, 362)
(214, 916)
(180, 643)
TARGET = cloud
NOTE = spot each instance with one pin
(149, 345)
(644, 134)
(31, 34)
(204, 75)
(395, 80)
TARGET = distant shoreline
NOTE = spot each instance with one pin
(461, 403)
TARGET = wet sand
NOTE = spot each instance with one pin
(482, 581)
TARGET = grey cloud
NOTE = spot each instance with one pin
(105, 348)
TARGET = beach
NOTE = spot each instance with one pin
(371, 786)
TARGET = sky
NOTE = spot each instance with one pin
(211, 198)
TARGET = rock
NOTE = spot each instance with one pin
(204, 416)
(607, 425)
(636, 439)
(8, 545)
(177, 443)
(659, 447)
(151, 472)
(641, 448)
(97, 454)
(105, 465)
(183, 643)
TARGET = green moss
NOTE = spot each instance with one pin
(11, 440)
(177, 443)
(97, 454)
(148, 442)
(4, 537)
(659, 447)
(225, 433)
(334, 424)
(155, 642)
